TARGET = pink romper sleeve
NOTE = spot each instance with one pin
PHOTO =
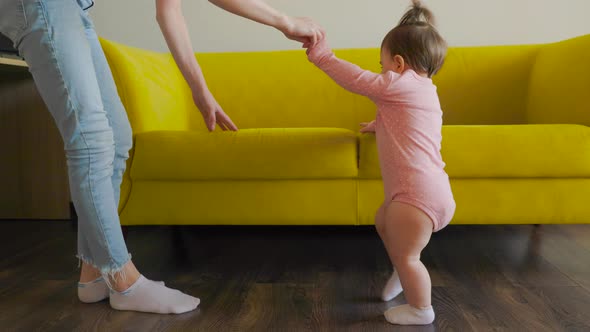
(348, 75)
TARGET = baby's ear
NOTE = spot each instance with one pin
(399, 62)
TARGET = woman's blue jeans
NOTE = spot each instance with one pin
(58, 41)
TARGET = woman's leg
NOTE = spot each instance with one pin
(117, 118)
(55, 46)
(113, 106)
(52, 39)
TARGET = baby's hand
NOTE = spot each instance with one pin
(368, 127)
(316, 51)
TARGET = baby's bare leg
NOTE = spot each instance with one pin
(393, 287)
(407, 233)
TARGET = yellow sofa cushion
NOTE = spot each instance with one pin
(305, 153)
(503, 151)
(257, 202)
(501, 201)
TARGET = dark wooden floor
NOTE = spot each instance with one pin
(500, 278)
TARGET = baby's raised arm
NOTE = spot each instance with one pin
(348, 75)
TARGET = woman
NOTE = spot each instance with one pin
(58, 41)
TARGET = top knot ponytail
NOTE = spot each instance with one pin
(417, 15)
(417, 41)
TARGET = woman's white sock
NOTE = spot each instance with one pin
(149, 296)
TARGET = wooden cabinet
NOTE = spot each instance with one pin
(33, 171)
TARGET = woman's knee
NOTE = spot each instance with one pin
(96, 143)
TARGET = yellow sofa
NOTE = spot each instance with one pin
(516, 138)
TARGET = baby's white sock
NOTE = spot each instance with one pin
(408, 315)
(149, 296)
(93, 291)
(392, 288)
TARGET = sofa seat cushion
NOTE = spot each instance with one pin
(503, 151)
(295, 153)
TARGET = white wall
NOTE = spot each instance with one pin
(349, 23)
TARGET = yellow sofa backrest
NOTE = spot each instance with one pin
(485, 85)
(477, 85)
(559, 91)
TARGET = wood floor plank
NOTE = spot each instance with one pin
(560, 308)
(576, 233)
(566, 255)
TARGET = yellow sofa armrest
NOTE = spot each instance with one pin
(152, 89)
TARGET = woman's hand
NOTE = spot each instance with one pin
(212, 113)
(302, 29)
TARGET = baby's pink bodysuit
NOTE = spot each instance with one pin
(408, 132)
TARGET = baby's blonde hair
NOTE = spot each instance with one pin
(417, 41)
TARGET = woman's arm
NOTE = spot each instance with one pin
(173, 26)
(300, 29)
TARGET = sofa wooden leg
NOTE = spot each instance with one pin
(535, 240)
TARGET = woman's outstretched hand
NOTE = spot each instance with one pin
(212, 113)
